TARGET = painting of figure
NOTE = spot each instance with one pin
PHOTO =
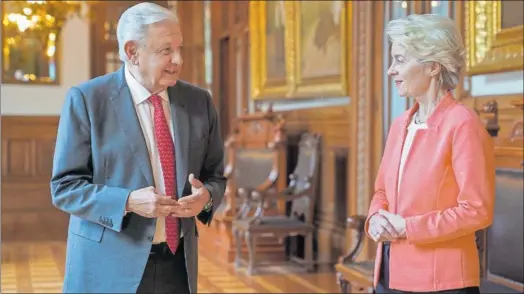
(512, 14)
(275, 40)
(320, 35)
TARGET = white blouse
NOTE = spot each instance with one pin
(412, 130)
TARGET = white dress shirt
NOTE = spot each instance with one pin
(145, 112)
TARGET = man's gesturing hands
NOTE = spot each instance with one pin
(193, 204)
(386, 226)
(148, 202)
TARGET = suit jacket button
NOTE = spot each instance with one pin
(150, 238)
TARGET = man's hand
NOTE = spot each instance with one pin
(380, 229)
(397, 221)
(193, 204)
(149, 203)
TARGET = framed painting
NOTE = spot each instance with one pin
(321, 46)
(494, 36)
(299, 49)
(269, 23)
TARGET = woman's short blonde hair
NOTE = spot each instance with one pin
(431, 38)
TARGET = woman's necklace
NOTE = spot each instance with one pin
(418, 121)
(429, 109)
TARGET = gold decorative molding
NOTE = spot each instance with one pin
(363, 120)
(261, 87)
(363, 144)
(291, 77)
(491, 49)
(254, 7)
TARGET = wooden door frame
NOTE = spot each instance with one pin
(366, 109)
(234, 32)
(96, 35)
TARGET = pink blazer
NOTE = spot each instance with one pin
(446, 194)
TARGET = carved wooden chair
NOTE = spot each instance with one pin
(254, 149)
(256, 141)
(490, 111)
(301, 192)
(228, 174)
(355, 276)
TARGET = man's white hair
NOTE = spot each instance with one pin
(431, 38)
(134, 22)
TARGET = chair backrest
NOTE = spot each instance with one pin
(255, 147)
(254, 166)
(304, 178)
(504, 247)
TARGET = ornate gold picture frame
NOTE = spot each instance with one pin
(269, 31)
(491, 45)
(299, 49)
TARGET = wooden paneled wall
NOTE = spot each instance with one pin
(191, 15)
(27, 156)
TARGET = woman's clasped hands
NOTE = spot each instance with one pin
(386, 226)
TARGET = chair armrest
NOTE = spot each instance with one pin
(270, 194)
(357, 223)
(288, 194)
(228, 171)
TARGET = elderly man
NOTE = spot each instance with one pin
(138, 157)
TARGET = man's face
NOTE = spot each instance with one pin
(159, 58)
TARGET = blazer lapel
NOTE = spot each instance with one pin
(125, 112)
(181, 134)
(397, 153)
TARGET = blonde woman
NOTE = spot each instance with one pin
(435, 185)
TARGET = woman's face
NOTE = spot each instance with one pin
(411, 76)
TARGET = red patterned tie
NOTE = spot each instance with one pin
(166, 150)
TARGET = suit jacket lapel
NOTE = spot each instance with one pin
(125, 112)
(181, 134)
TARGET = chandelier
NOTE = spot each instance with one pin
(39, 18)
(35, 26)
